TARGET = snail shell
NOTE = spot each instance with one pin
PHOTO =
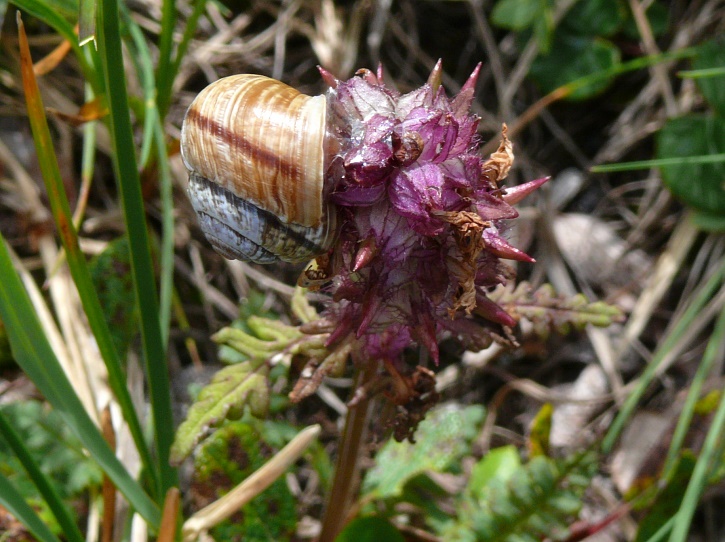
(258, 155)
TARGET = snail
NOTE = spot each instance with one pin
(259, 159)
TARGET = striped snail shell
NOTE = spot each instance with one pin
(258, 156)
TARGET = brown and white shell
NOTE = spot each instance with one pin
(257, 155)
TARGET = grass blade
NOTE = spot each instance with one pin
(36, 358)
(69, 238)
(11, 499)
(44, 485)
(124, 160)
(708, 453)
(154, 139)
(699, 301)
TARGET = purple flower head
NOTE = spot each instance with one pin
(422, 216)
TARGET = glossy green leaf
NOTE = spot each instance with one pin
(699, 185)
(712, 55)
(574, 57)
(370, 529)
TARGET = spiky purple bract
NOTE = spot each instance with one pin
(420, 243)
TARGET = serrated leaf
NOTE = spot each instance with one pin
(442, 437)
(700, 186)
(539, 501)
(230, 390)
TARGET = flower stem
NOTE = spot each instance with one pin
(347, 468)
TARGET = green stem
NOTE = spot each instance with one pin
(347, 467)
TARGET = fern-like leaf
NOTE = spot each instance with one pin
(231, 389)
(549, 311)
(538, 500)
(245, 383)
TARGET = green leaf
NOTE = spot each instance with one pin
(574, 57)
(58, 15)
(712, 55)
(539, 500)
(230, 390)
(516, 14)
(658, 17)
(370, 529)
(442, 438)
(698, 185)
(538, 441)
(499, 464)
(69, 237)
(595, 17)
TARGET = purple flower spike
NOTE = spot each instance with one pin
(422, 214)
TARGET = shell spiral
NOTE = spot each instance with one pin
(257, 155)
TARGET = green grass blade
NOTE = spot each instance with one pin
(693, 395)
(124, 159)
(699, 301)
(164, 75)
(707, 455)
(155, 138)
(75, 258)
(701, 74)
(647, 164)
(167, 224)
(45, 487)
(11, 499)
(87, 22)
(36, 358)
(166, 85)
